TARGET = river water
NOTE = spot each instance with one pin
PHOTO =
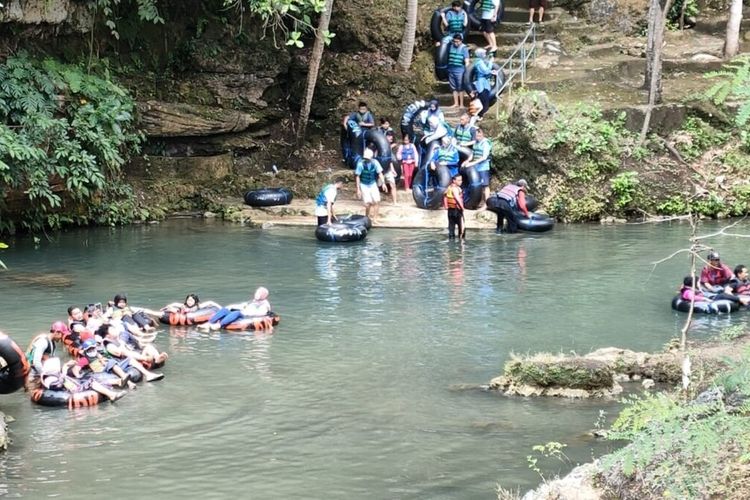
(368, 387)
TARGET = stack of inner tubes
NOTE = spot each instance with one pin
(15, 366)
(353, 145)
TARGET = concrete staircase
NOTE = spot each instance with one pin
(509, 32)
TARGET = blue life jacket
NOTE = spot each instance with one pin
(369, 172)
(455, 21)
(320, 200)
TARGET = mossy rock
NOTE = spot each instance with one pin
(574, 373)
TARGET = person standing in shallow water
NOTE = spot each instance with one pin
(453, 200)
(368, 174)
(325, 200)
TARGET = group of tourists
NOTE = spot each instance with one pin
(717, 282)
(108, 347)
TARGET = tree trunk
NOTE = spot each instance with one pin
(732, 42)
(312, 74)
(407, 40)
(657, 20)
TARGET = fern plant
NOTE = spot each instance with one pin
(733, 85)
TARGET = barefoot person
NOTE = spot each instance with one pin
(369, 173)
(325, 200)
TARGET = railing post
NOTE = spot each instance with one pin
(523, 64)
(533, 46)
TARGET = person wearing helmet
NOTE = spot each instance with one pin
(715, 275)
(41, 348)
(368, 176)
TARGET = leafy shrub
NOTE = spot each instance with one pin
(64, 135)
(734, 84)
(702, 136)
(625, 189)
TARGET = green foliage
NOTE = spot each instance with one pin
(674, 205)
(734, 85)
(147, 11)
(64, 134)
(676, 450)
(291, 18)
(702, 136)
(709, 206)
(587, 135)
(691, 10)
(625, 189)
(737, 377)
(552, 450)
(584, 207)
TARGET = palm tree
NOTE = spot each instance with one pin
(732, 41)
(312, 75)
(407, 40)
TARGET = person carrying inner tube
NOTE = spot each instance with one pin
(455, 19)
(362, 117)
(446, 155)
(481, 162)
(482, 72)
(453, 200)
(325, 200)
(258, 306)
(458, 60)
(512, 199)
(432, 119)
(715, 275)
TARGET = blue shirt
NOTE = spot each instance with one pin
(368, 171)
(482, 149)
(483, 70)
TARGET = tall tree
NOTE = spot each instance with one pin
(657, 21)
(407, 40)
(322, 38)
(732, 41)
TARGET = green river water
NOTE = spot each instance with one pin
(370, 385)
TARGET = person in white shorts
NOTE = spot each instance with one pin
(369, 174)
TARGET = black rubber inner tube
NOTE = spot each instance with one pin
(428, 189)
(341, 233)
(355, 220)
(13, 376)
(441, 59)
(472, 187)
(436, 24)
(268, 197)
(358, 142)
(411, 112)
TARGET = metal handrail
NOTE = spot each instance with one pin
(524, 54)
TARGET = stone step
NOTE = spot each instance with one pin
(521, 15)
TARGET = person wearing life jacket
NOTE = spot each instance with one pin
(739, 285)
(715, 275)
(480, 160)
(362, 118)
(125, 355)
(446, 155)
(512, 200)
(455, 19)
(453, 200)
(136, 319)
(90, 361)
(465, 133)
(53, 377)
(432, 118)
(368, 176)
(458, 60)
(408, 155)
(325, 200)
(489, 10)
(40, 349)
(689, 293)
(482, 71)
(475, 107)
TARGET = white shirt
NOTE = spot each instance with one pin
(330, 196)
